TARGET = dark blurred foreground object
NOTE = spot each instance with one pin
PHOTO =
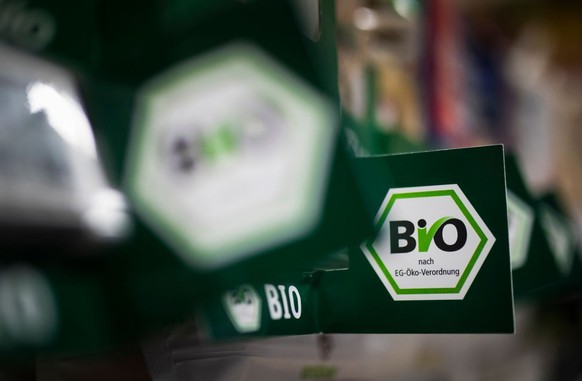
(114, 364)
(118, 364)
(154, 101)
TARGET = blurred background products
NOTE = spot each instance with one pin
(225, 140)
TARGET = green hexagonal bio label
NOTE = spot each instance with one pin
(430, 243)
(229, 155)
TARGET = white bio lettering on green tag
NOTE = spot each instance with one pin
(430, 243)
(283, 302)
(243, 307)
(520, 218)
(229, 156)
(559, 238)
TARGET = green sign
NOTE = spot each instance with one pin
(438, 262)
(430, 243)
(280, 307)
(188, 123)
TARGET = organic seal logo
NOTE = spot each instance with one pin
(228, 156)
(243, 307)
(430, 243)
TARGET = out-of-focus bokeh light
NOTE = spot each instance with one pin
(365, 19)
(64, 115)
(107, 214)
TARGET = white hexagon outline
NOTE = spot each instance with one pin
(234, 319)
(253, 56)
(419, 294)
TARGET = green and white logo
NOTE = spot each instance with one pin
(229, 156)
(520, 217)
(243, 307)
(430, 243)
